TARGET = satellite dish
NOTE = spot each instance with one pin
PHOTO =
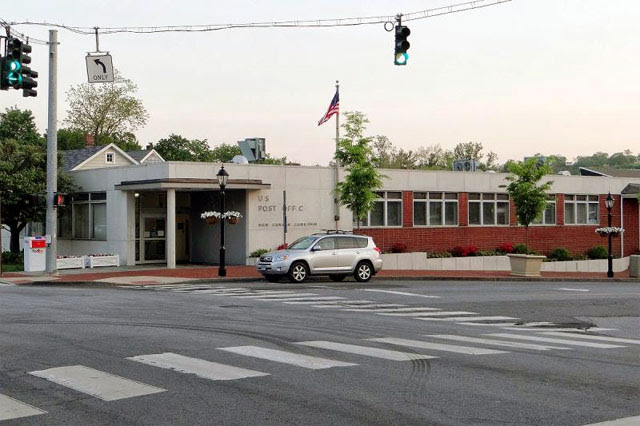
(240, 159)
(564, 173)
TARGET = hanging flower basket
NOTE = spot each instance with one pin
(613, 231)
(233, 220)
(212, 220)
(233, 217)
(212, 217)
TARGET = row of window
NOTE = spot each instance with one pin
(484, 209)
(85, 218)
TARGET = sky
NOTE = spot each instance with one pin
(523, 77)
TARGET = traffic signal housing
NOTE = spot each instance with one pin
(402, 45)
(58, 199)
(15, 72)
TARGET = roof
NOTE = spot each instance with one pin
(73, 157)
(609, 172)
(139, 155)
(632, 188)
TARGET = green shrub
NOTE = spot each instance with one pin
(10, 258)
(580, 257)
(521, 249)
(560, 254)
(598, 252)
(438, 254)
(258, 253)
(490, 253)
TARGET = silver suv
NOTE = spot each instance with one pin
(337, 255)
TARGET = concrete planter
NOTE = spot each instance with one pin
(525, 265)
(70, 262)
(252, 261)
(99, 261)
(634, 266)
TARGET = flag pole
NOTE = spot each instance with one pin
(336, 216)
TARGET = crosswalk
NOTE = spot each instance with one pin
(309, 355)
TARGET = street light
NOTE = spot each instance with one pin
(609, 203)
(222, 176)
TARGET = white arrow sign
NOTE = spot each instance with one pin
(99, 68)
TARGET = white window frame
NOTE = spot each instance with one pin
(91, 203)
(573, 199)
(113, 157)
(551, 199)
(383, 198)
(442, 201)
(482, 201)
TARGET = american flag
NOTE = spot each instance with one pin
(334, 108)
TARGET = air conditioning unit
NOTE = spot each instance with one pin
(253, 148)
(465, 166)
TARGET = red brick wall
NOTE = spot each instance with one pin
(631, 228)
(407, 209)
(577, 238)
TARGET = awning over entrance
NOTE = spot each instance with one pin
(191, 184)
(631, 190)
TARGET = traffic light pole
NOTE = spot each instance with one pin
(52, 152)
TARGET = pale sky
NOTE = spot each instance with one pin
(549, 76)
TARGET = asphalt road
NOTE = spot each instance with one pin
(199, 354)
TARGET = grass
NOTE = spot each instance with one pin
(11, 267)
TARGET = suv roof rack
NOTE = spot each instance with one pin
(334, 231)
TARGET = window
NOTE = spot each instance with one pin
(326, 244)
(89, 216)
(548, 217)
(387, 210)
(110, 158)
(581, 209)
(488, 209)
(435, 209)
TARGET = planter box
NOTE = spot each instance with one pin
(252, 261)
(98, 261)
(524, 265)
(634, 266)
(70, 263)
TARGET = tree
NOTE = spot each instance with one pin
(354, 153)
(69, 138)
(224, 153)
(179, 148)
(107, 109)
(23, 173)
(527, 194)
(431, 157)
(473, 151)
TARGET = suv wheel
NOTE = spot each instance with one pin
(363, 272)
(336, 277)
(298, 272)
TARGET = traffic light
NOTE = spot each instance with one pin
(58, 200)
(402, 45)
(15, 72)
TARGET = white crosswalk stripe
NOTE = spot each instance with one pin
(13, 409)
(493, 342)
(467, 350)
(342, 303)
(296, 299)
(367, 351)
(305, 361)
(273, 296)
(99, 384)
(391, 309)
(487, 318)
(553, 340)
(6, 284)
(494, 324)
(199, 367)
(403, 293)
(428, 314)
(575, 330)
(592, 337)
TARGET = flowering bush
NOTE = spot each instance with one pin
(399, 248)
(505, 248)
(206, 215)
(464, 251)
(609, 230)
(283, 246)
(232, 214)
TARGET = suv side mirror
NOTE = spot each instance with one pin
(315, 248)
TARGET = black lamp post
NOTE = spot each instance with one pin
(609, 203)
(222, 181)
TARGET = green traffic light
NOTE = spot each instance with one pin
(14, 66)
(402, 58)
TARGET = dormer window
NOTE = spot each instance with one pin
(110, 158)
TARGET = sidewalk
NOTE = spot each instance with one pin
(186, 274)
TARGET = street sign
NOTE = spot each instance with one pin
(99, 68)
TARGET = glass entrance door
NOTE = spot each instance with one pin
(153, 248)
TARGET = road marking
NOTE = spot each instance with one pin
(273, 296)
(13, 409)
(216, 292)
(404, 294)
(299, 360)
(428, 314)
(105, 386)
(438, 346)
(296, 299)
(367, 351)
(488, 318)
(390, 310)
(572, 289)
(592, 337)
(576, 330)
(495, 324)
(552, 340)
(495, 342)
(342, 303)
(627, 421)
(199, 367)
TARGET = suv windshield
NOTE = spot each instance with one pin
(302, 243)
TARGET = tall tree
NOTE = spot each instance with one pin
(224, 152)
(179, 148)
(106, 109)
(23, 173)
(354, 152)
(529, 196)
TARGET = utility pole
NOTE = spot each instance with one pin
(52, 152)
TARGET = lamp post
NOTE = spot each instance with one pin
(222, 181)
(609, 203)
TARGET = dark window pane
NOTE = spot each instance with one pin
(569, 213)
(593, 213)
(154, 250)
(488, 196)
(394, 195)
(451, 196)
(98, 196)
(451, 213)
(550, 214)
(488, 213)
(503, 214)
(474, 213)
(328, 243)
(581, 213)
(435, 195)
(377, 214)
(419, 195)
(345, 243)
(99, 221)
(81, 220)
(503, 196)
(394, 214)
(361, 242)
(474, 196)
(420, 213)
(435, 214)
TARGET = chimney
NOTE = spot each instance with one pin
(89, 140)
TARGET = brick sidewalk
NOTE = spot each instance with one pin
(137, 276)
